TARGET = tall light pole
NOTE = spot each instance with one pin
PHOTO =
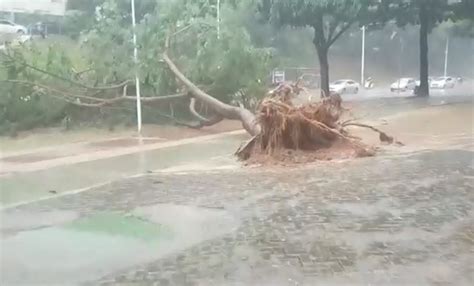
(362, 61)
(446, 57)
(394, 34)
(137, 79)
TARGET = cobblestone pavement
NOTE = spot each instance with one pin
(374, 221)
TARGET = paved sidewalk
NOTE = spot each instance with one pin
(88, 151)
(73, 174)
(374, 221)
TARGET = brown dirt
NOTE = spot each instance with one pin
(338, 151)
(293, 133)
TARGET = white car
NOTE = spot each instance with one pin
(429, 81)
(8, 27)
(344, 86)
(403, 84)
(443, 82)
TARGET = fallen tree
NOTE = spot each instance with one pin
(312, 129)
(280, 129)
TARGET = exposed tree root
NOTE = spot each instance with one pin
(383, 137)
(303, 133)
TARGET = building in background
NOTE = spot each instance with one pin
(21, 19)
(45, 7)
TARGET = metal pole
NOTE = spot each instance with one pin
(362, 64)
(400, 62)
(137, 80)
(446, 57)
(218, 19)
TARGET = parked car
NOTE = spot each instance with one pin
(443, 82)
(429, 81)
(8, 27)
(344, 86)
(403, 84)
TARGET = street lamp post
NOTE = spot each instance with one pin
(446, 57)
(362, 64)
(137, 79)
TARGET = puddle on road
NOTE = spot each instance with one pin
(90, 247)
(115, 224)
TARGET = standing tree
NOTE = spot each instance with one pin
(329, 19)
(427, 14)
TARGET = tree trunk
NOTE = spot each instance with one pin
(248, 119)
(324, 70)
(423, 90)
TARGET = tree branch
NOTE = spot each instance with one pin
(382, 135)
(203, 121)
(201, 95)
(192, 108)
(340, 32)
(99, 102)
(67, 79)
(332, 28)
(24, 82)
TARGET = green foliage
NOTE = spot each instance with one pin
(463, 28)
(219, 64)
(408, 12)
(436, 11)
(24, 107)
(230, 62)
(462, 18)
(223, 64)
(329, 18)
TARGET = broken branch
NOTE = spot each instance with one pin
(227, 111)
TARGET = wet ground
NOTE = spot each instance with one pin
(27, 186)
(404, 217)
(388, 220)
